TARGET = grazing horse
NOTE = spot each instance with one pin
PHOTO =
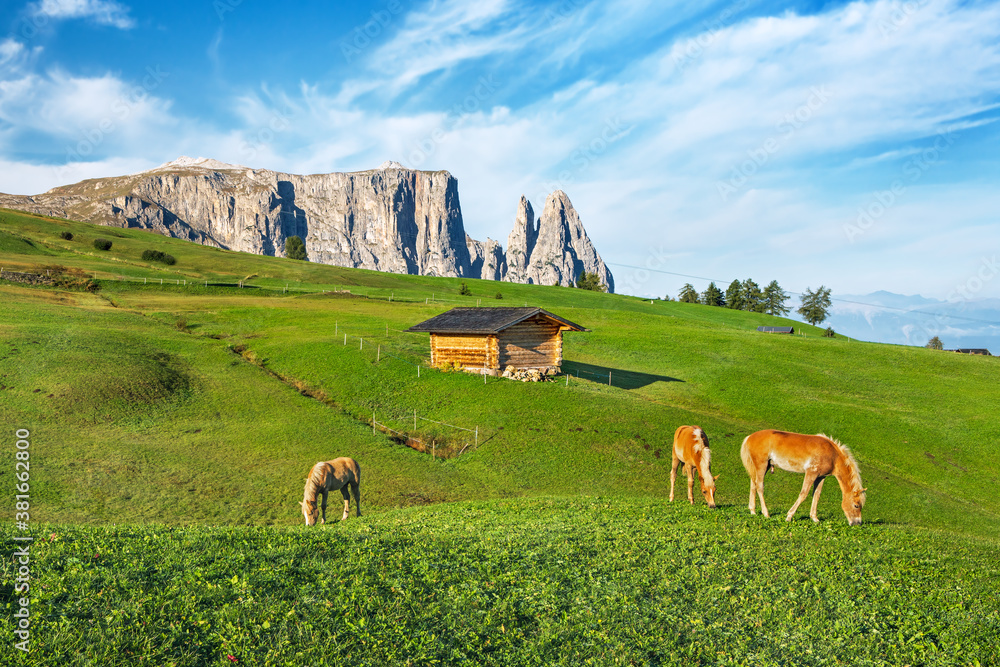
(818, 456)
(328, 476)
(691, 450)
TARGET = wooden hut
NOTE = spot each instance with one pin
(491, 339)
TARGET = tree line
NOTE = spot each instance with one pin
(748, 295)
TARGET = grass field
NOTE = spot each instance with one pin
(188, 415)
(597, 580)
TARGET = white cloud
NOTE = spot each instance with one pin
(9, 50)
(103, 12)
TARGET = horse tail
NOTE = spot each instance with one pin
(745, 453)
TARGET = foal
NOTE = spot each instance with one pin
(691, 450)
(817, 456)
(328, 476)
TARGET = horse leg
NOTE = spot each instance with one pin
(806, 484)
(760, 492)
(689, 469)
(347, 502)
(356, 490)
(817, 489)
(323, 520)
(673, 474)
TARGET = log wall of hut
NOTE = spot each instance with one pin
(534, 343)
(470, 350)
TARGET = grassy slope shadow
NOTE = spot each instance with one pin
(620, 378)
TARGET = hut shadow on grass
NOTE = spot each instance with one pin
(619, 378)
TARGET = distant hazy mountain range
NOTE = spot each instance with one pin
(913, 320)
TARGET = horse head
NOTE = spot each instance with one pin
(708, 489)
(852, 504)
(309, 511)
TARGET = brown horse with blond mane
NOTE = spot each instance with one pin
(817, 456)
(691, 450)
(326, 476)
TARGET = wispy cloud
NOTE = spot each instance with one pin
(103, 12)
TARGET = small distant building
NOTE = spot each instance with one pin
(782, 330)
(491, 339)
(972, 350)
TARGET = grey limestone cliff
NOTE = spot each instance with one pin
(387, 219)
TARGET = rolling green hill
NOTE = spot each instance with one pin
(199, 402)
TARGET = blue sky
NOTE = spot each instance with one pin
(847, 144)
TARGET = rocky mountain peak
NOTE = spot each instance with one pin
(185, 162)
(390, 219)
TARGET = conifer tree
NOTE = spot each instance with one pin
(815, 305)
(590, 281)
(688, 294)
(295, 248)
(734, 295)
(774, 299)
(713, 296)
(753, 298)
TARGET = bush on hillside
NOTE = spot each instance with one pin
(102, 244)
(157, 256)
(66, 236)
(499, 295)
(464, 290)
(829, 333)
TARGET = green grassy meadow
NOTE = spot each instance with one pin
(172, 426)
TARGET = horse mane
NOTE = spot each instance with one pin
(852, 465)
(701, 445)
(700, 439)
(316, 479)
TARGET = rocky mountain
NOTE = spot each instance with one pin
(387, 219)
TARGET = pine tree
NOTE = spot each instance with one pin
(295, 248)
(713, 296)
(734, 295)
(590, 281)
(815, 305)
(753, 298)
(774, 299)
(688, 294)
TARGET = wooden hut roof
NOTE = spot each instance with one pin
(485, 320)
(784, 330)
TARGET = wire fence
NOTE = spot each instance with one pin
(358, 291)
(448, 449)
